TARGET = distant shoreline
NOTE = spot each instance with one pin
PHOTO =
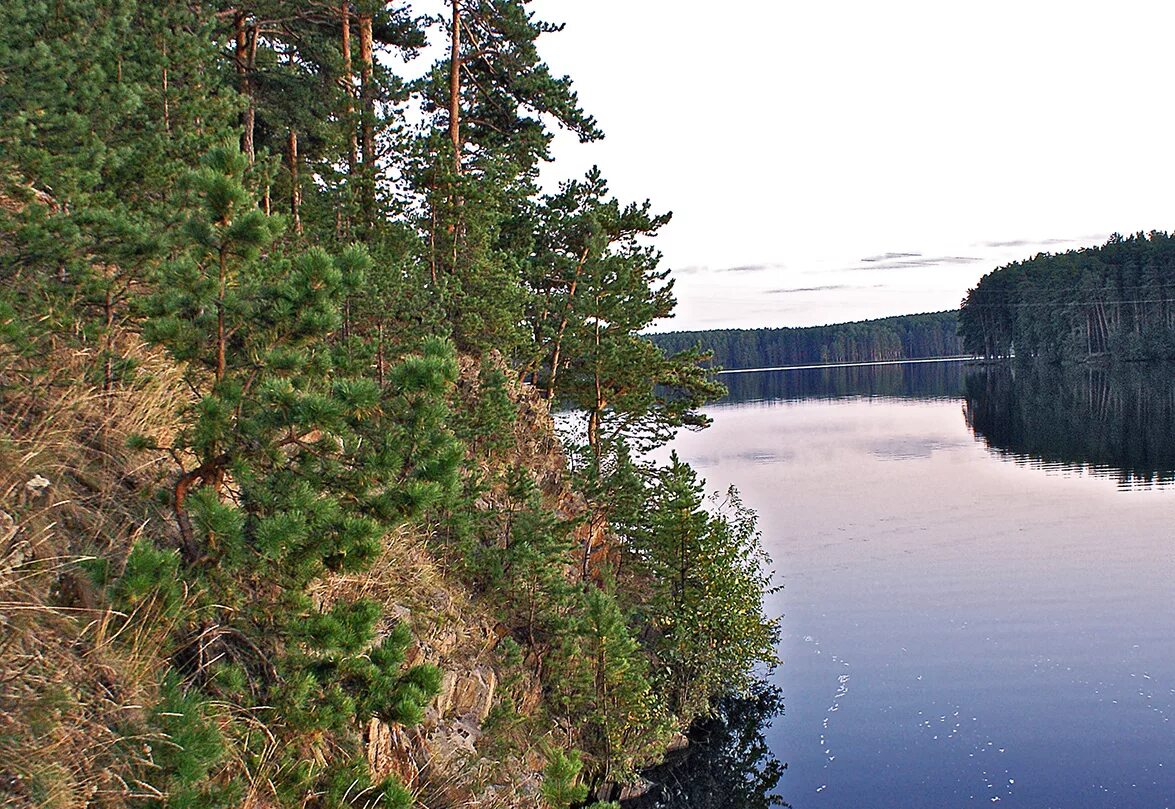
(930, 334)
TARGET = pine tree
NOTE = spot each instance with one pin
(476, 168)
(102, 106)
(709, 580)
(604, 693)
(561, 787)
(297, 470)
(598, 286)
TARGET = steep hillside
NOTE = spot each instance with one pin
(78, 675)
(281, 528)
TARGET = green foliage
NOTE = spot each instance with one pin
(561, 785)
(604, 691)
(189, 754)
(90, 157)
(509, 89)
(523, 559)
(596, 286)
(395, 695)
(488, 426)
(324, 461)
(707, 597)
(393, 795)
(150, 575)
(322, 414)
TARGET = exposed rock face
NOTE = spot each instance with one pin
(635, 790)
(440, 760)
(467, 694)
(391, 751)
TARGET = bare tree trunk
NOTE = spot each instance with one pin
(367, 126)
(589, 545)
(598, 410)
(166, 105)
(295, 187)
(563, 323)
(349, 87)
(454, 228)
(455, 87)
(243, 58)
(209, 473)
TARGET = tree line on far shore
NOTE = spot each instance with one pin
(891, 338)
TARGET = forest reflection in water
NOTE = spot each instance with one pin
(728, 763)
(1116, 421)
(937, 380)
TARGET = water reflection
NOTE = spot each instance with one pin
(1116, 421)
(1113, 421)
(728, 764)
(1007, 632)
(919, 381)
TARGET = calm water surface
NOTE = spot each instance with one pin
(978, 573)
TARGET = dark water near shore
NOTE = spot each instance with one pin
(979, 574)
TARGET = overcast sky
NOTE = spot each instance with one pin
(829, 161)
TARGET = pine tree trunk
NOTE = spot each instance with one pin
(563, 323)
(349, 88)
(598, 410)
(243, 58)
(295, 187)
(166, 105)
(455, 88)
(454, 226)
(367, 126)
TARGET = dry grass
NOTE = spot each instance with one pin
(75, 676)
(410, 585)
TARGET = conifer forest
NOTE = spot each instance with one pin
(903, 337)
(286, 328)
(1114, 300)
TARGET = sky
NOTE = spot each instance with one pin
(832, 160)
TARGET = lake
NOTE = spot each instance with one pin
(978, 575)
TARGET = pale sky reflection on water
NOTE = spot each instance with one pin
(957, 627)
